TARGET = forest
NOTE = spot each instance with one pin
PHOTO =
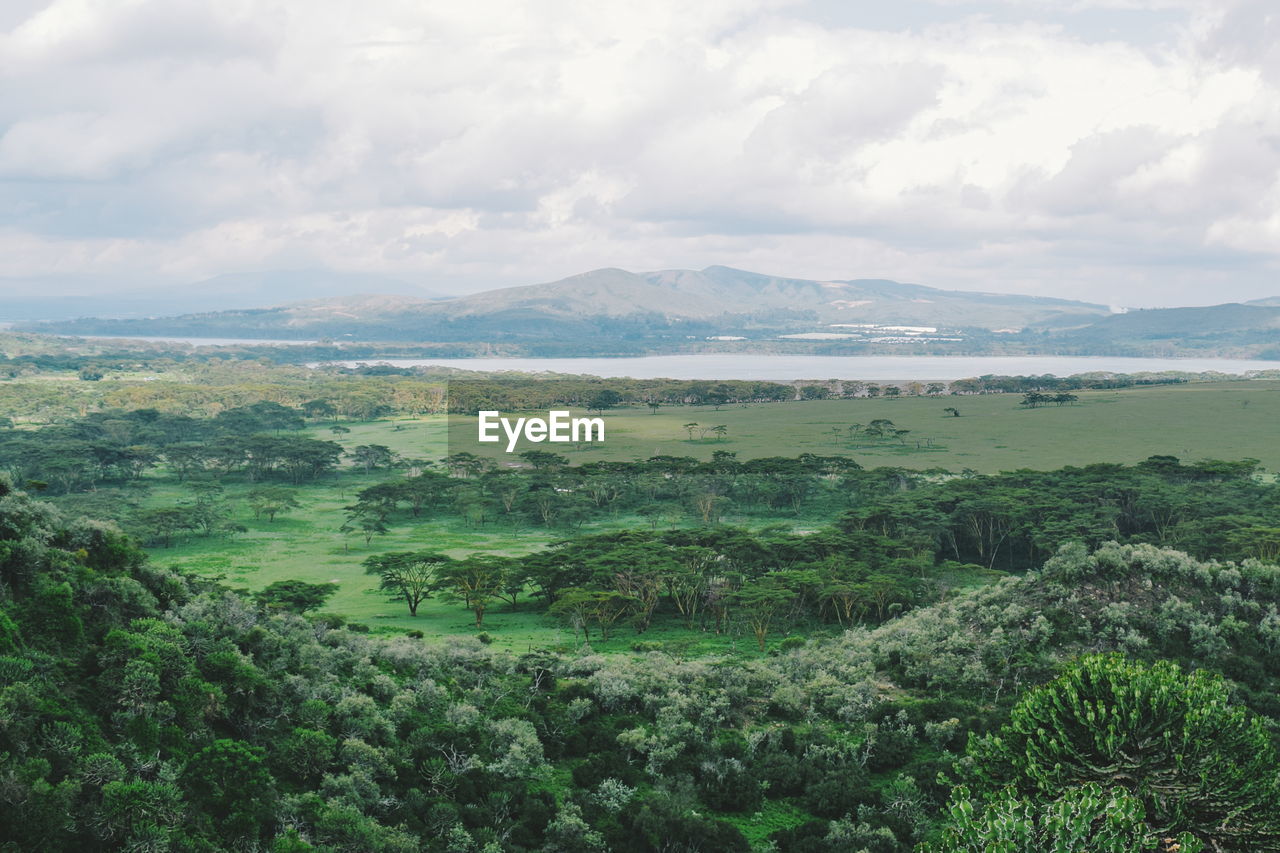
(782, 653)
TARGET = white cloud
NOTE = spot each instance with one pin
(509, 141)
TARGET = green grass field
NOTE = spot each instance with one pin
(1222, 420)
(1228, 420)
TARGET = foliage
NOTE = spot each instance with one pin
(1195, 762)
(1084, 817)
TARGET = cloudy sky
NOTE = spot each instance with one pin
(1120, 151)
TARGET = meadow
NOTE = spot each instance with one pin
(1203, 420)
(1228, 420)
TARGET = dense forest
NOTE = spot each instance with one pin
(1075, 659)
(147, 710)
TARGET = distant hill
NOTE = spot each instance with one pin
(668, 303)
(1232, 327)
(613, 311)
(25, 301)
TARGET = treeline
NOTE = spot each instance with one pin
(1005, 521)
(118, 447)
(902, 541)
(146, 710)
(211, 385)
(467, 396)
(725, 580)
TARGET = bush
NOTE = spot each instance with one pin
(791, 643)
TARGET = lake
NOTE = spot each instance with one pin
(880, 367)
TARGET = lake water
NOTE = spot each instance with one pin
(733, 366)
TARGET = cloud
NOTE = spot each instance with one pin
(471, 145)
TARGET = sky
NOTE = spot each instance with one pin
(1125, 152)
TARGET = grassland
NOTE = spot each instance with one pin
(1206, 420)
(1229, 420)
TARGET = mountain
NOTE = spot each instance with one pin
(721, 292)
(1213, 328)
(616, 303)
(27, 301)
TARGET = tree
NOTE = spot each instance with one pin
(475, 581)
(544, 460)
(1088, 817)
(1195, 762)
(294, 595)
(319, 409)
(368, 525)
(760, 602)
(272, 501)
(1035, 399)
(163, 523)
(370, 456)
(185, 459)
(230, 783)
(407, 574)
(606, 398)
(580, 608)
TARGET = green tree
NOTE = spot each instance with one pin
(1087, 817)
(294, 595)
(1194, 761)
(761, 602)
(272, 501)
(370, 456)
(475, 581)
(230, 783)
(410, 575)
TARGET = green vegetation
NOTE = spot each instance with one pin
(1025, 627)
(206, 722)
(1209, 420)
(1174, 743)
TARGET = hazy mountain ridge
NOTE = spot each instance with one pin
(23, 301)
(716, 294)
(664, 308)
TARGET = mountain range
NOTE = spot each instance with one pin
(724, 297)
(657, 310)
(28, 301)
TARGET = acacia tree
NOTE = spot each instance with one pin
(407, 574)
(475, 581)
(272, 501)
(580, 607)
(294, 595)
(370, 456)
(761, 602)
